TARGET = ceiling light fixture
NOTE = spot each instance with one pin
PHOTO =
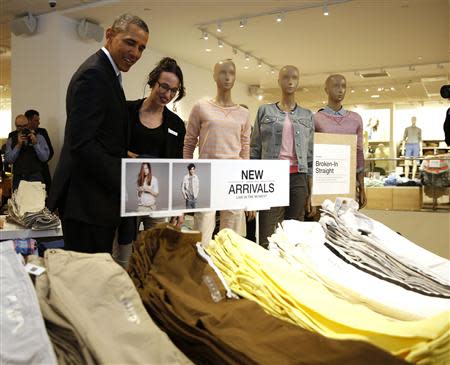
(412, 68)
(246, 67)
(367, 90)
(219, 27)
(325, 8)
(242, 23)
(219, 44)
(205, 35)
(247, 57)
(259, 64)
(280, 17)
(208, 49)
(352, 91)
(408, 86)
(272, 71)
(375, 96)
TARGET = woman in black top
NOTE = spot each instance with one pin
(156, 132)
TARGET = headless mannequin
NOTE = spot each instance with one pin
(336, 87)
(288, 81)
(410, 139)
(227, 116)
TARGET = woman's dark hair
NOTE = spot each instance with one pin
(167, 64)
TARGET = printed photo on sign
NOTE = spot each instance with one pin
(146, 187)
(191, 185)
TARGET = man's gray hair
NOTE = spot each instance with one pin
(122, 22)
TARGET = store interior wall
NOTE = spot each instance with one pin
(43, 64)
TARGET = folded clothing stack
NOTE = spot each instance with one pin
(27, 207)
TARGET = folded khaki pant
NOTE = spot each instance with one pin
(95, 315)
(170, 277)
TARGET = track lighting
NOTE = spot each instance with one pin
(247, 57)
(259, 64)
(280, 17)
(219, 27)
(219, 44)
(205, 35)
(242, 23)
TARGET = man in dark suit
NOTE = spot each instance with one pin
(33, 124)
(86, 183)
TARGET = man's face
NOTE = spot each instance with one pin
(192, 171)
(21, 123)
(34, 122)
(126, 47)
(336, 88)
(288, 80)
(225, 75)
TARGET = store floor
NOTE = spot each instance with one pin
(430, 230)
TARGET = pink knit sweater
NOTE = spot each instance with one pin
(222, 132)
(350, 123)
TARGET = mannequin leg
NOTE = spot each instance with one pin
(414, 170)
(205, 222)
(407, 168)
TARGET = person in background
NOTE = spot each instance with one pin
(33, 123)
(26, 151)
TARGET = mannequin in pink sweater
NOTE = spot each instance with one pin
(334, 119)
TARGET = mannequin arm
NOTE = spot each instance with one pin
(362, 200)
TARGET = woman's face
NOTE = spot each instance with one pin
(146, 170)
(165, 89)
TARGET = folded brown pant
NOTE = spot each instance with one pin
(169, 276)
(94, 315)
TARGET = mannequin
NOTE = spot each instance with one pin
(284, 130)
(412, 145)
(222, 130)
(335, 119)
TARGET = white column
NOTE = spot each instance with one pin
(41, 68)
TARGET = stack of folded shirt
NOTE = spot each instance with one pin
(27, 207)
(94, 315)
(302, 244)
(289, 294)
(186, 298)
(364, 252)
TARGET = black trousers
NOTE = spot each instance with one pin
(89, 238)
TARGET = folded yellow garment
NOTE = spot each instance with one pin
(286, 293)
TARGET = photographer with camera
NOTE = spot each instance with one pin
(26, 151)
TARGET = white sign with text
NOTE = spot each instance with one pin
(167, 187)
(331, 169)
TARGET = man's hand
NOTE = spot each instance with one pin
(131, 154)
(33, 138)
(21, 139)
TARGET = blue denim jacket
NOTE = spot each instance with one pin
(268, 130)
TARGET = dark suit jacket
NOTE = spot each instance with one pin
(86, 183)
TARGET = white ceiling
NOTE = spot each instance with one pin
(358, 36)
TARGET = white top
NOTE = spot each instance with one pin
(146, 198)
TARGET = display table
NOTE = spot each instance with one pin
(12, 231)
(394, 197)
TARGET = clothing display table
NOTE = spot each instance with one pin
(13, 231)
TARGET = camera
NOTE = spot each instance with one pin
(445, 91)
(52, 3)
(25, 132)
